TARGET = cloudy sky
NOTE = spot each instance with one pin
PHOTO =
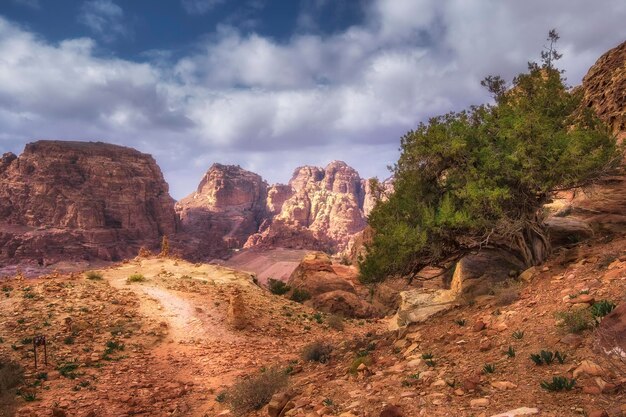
(270, 84)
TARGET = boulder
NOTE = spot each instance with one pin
(564, 230)
(477, 274)
(418, 305)
(343, 303)
(611, 333)
(316, 275)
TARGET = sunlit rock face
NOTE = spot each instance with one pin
(63, 200)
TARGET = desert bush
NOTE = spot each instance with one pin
(335, 322)
(360, 359)
(317, 351)
(252, 393)
(576, 321)
(277, 287)
(489, 368)
(93, 275)
(300, 296)
(510, 352)
(506, 292)
(518, 334)
(136, 278)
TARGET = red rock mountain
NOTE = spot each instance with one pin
(64, 200)
(228, 206)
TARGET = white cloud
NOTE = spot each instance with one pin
(269, 106)
(105, 19)
(200, 6)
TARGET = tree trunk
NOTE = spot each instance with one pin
(531, 243)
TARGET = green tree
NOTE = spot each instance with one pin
(479, 178)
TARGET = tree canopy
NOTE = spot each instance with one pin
(479, 178)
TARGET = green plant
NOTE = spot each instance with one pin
(318, 317)
(576, 321)
(69, 340)
(221, 397)
(299, 296)
(602, 308)
(112, 346)
(558, 383)
(67, 369)
(510, 352)
(484, 174)
(427, 356)
(327, 402)
(354, 366)
(27, 340)
(547, 357)
(252, 393)
(560, 357)
(317, 351)
(460, 322)
(518, 334)
(136, 278)
(489, 368)
(277, 287)
(28, 396)
(93, 275)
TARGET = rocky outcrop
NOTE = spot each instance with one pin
(604, 88)
(61, 200)
(329, 292)
(228, 206)
(328, 204)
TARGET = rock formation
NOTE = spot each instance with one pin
(228, 206)
(324, 207)
(320, 209)
(61, 200)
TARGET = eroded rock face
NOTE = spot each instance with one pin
(331, 204)
(61, 200)
(228, 206)
(604, 88)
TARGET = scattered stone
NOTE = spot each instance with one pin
(478, 326)
(479, 403)
(588, 367)
(523, 411)
(503, 385)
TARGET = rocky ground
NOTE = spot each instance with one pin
(175, 343)
(164, 346)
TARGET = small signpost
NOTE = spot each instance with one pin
(40, 341)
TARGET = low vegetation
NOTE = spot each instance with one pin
(317, 351)
(335, 322)
(558, 383)
(93, 275)
(299, 296)
(136, 278)
(277, 287)
(252, 393)
(576, 321)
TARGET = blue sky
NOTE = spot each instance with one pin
(269, 84)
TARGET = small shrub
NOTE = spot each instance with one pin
(506, 292)
(427, 356)
(252, 393)
(489, 368)
(518, 334)
(460, 322)
(136, 278)
(547, 357)
(93, 275)
(300, 296)
(317, 351)
(602, 308)
(354, 366)
(113, 346)
(536, 358)
(318, 317)
(558, 383)
(67, 370)
(221, 397)
(560, 357)
(510, 352)
(576, 321)
(335, 322)
(277, 287)
(69, 340)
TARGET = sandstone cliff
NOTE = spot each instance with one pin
(62, 200)
(228, 206)
(319, 209)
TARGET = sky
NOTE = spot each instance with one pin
(270, 84)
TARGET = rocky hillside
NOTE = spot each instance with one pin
(63, 200)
